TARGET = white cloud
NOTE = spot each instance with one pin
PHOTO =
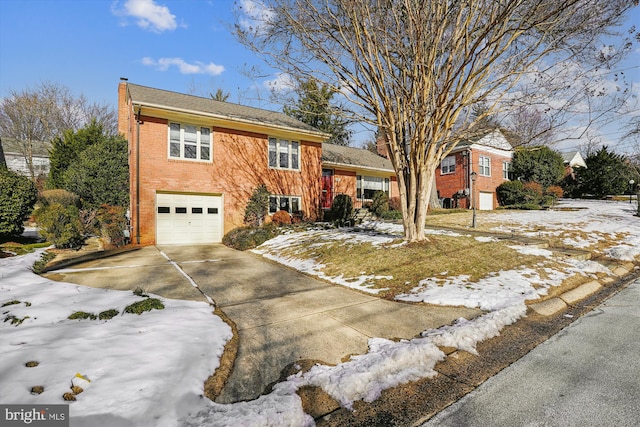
(197, 67)
(255, 15)
(150, 15)
(282, 82)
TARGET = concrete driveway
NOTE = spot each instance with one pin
(282, 316)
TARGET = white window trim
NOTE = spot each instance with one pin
(450, 162)
(482, 166)
(360, 185)
(182, 143)
(506, 170)
(281, 144)
(278, 197)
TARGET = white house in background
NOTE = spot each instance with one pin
(573, 159)
(16, 161)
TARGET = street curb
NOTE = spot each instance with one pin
(581, 292)
(554, 305)
(548, 307)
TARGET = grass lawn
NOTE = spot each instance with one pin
(396, 268)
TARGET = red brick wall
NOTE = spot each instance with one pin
(240, 163)
(344, 182)
(449, 184)
(488, 184)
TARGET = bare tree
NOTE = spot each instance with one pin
(36, 116)
(416, 68)
(531, 127)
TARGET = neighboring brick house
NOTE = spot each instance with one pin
(489, 157)
(194, 163)
(355, 172)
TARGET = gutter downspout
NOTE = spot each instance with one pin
(138, 122)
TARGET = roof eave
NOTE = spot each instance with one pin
(358, 167)
(316, 135)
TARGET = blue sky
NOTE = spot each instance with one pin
(185, 46)
(88, 45)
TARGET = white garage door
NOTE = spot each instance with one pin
(486, 201)
(187, 218)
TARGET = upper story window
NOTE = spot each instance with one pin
(284, 154)
(485, 166)
(448, 165)
(189, 142)
(367, 185)
(506, 170)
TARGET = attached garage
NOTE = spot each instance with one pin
(188, 218)
(485, 201)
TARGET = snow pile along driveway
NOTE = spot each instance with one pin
(142, 370)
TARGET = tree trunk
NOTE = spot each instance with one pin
(434, 201)
(3, 161)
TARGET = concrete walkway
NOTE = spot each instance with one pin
(282, 316)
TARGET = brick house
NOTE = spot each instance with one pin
(194, 163)
(489, 157)
(355, 172)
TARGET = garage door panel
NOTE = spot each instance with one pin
(486, 201)
(183, 218)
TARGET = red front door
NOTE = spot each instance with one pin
(327, 188)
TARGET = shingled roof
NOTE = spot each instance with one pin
(13, 146)
(151, 97)
(356, 157)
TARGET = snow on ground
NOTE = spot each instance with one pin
(142, 370)
(500, 290)
(600, 220)
(150, 369)
(274, 247)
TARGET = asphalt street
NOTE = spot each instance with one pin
(586, 375)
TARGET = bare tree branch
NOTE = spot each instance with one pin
(33, 116)
(416, 68)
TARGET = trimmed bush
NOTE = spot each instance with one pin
(244, 238)
(532, 193)
(257, 207)
(100, 175)
(297, 217)
(379, 203)
(511, 193)
(112, 222)
(392, 215)
(341, 210)
(17, 196)
(281, 218)
(60, 225)
(394, 204)
(554, 191)
(59, 196)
